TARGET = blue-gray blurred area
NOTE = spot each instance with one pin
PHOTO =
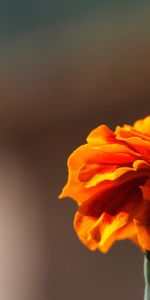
(20, 16)
(60, 58)
(65, 68)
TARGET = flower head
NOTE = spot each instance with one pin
(109, 178)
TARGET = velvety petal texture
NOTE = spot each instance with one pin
(109, 178)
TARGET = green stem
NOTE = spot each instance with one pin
(147, 275)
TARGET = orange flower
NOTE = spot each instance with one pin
(109, 177)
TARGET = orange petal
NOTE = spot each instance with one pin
(108, 227)
(143, 125)
(101, 135)
(137, 143)
(102, 236)
(89, 170)
(128, 131)
(142, 218)
(127, 232)
(127, 173)
(82, 225)
(143, 234)
(98, 222)
(146, 190)
(85, 156)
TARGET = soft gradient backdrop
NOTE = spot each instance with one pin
(65, 68)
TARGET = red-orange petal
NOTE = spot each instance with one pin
(142, 219)
(143, 125)
(101, 135)
(139, 168)
(109, 177)
(86, 156)
(100, 222)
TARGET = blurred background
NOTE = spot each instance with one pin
(65, 67)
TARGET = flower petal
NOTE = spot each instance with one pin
(146, 190)
(142, 219)
(143, 125)
(101, 135)
(127, 173)
(109, 177)
(108, 229)
(137, 143)
(84, 157)
(98, 223)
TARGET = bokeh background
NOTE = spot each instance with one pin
(65, 67)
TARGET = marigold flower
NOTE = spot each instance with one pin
(109, 178)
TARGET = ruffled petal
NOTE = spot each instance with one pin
(134, 140)
(142, 224)
(127, 131)
(146, 190)
(87, 160)
(139, 168)
(143, 125)
(142, 219)
(127, 232)
(100, 222)
(107, 229)
(109, 177)
(101, 135)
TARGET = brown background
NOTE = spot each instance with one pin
(57, 82)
